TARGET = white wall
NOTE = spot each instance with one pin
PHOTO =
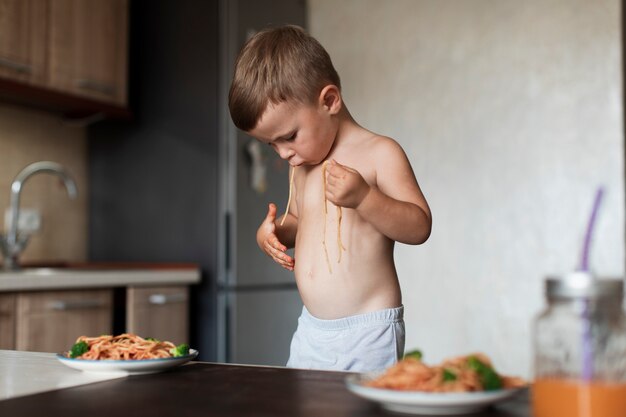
(511, 114)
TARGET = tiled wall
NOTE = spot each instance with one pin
(27, 136)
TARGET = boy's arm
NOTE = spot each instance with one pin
(274, 239)
(395, 206)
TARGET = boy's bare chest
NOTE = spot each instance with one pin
(310, 190)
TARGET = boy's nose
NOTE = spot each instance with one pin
(285, 153)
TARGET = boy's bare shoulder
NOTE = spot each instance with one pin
(385, 147)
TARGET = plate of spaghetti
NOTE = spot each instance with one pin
(461, 385)
(125, 353)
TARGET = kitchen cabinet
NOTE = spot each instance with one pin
(65, 55)
(88, 48)
(46, 309)
(50, 321)
(7, 321)
(23, 47)
(160, 312)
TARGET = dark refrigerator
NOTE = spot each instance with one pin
(258, 302)
(175, 183)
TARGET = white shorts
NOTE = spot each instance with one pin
(361, 343)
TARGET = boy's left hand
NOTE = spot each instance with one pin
(345, 187)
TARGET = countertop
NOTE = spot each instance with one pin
(97, 275)
(25, 373)
(209, 389)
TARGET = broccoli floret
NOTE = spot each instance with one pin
(415, 354)
(180, 350)
(78, 349)
(448, 375)
(488, 377)
(151, 339)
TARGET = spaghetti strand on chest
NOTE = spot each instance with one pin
(292, 173)
(340, 246)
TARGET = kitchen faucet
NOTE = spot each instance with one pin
(12, 245)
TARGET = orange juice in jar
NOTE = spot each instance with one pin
(571, 398)
(580, 349)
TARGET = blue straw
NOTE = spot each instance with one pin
(584, 259)
(587, 350)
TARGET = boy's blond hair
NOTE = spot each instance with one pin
(274, 66)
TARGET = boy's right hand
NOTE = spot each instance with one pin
(269, 243)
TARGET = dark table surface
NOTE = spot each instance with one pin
(207, 389)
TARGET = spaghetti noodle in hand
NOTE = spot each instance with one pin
(126, 346)
(345, 186)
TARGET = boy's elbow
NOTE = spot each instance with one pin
(420, 237)
(422, 232)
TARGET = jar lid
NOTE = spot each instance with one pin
(583, 285)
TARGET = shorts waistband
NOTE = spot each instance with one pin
(386, 316)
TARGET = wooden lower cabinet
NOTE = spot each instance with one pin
(7, 321)
(159, 312)
(51, 321)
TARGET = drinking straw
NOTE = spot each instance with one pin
(584, 258)
(587, 350)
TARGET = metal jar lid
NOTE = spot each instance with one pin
(583, 285)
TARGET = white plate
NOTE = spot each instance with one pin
(413, 402)
(129, 367)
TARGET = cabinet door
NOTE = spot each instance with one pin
(7, 321)
(51, 321)
(23, 40)
(159, 312)
(88, 48)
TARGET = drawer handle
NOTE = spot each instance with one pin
(16, 66)
(161, 299)
(62, 305)
(91, 85)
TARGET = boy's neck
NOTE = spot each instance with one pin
(346, 128)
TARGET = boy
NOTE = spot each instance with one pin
(355, 195)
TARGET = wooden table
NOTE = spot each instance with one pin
(207, 389)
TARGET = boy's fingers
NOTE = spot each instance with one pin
(276, 252)
(285, 264)
(271, 212)
(276, 244)
(336, 169)
(272, 241)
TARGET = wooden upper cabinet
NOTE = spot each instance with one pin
(23, 26)
(88, 48)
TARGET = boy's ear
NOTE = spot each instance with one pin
(330, 99)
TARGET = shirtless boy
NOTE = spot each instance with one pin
(287, 94)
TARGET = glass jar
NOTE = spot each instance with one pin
(580, 349)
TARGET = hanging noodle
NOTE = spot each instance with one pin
(292, 173)
(339, 217)
(330, 269)
(339, 242)
(339, 214)
(127, 346)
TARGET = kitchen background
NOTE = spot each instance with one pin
(510, 112)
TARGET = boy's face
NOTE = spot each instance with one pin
(302, 134)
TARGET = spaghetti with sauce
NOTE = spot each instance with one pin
(126, 346)
(468, 373)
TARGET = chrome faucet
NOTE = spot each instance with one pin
(13, 244)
